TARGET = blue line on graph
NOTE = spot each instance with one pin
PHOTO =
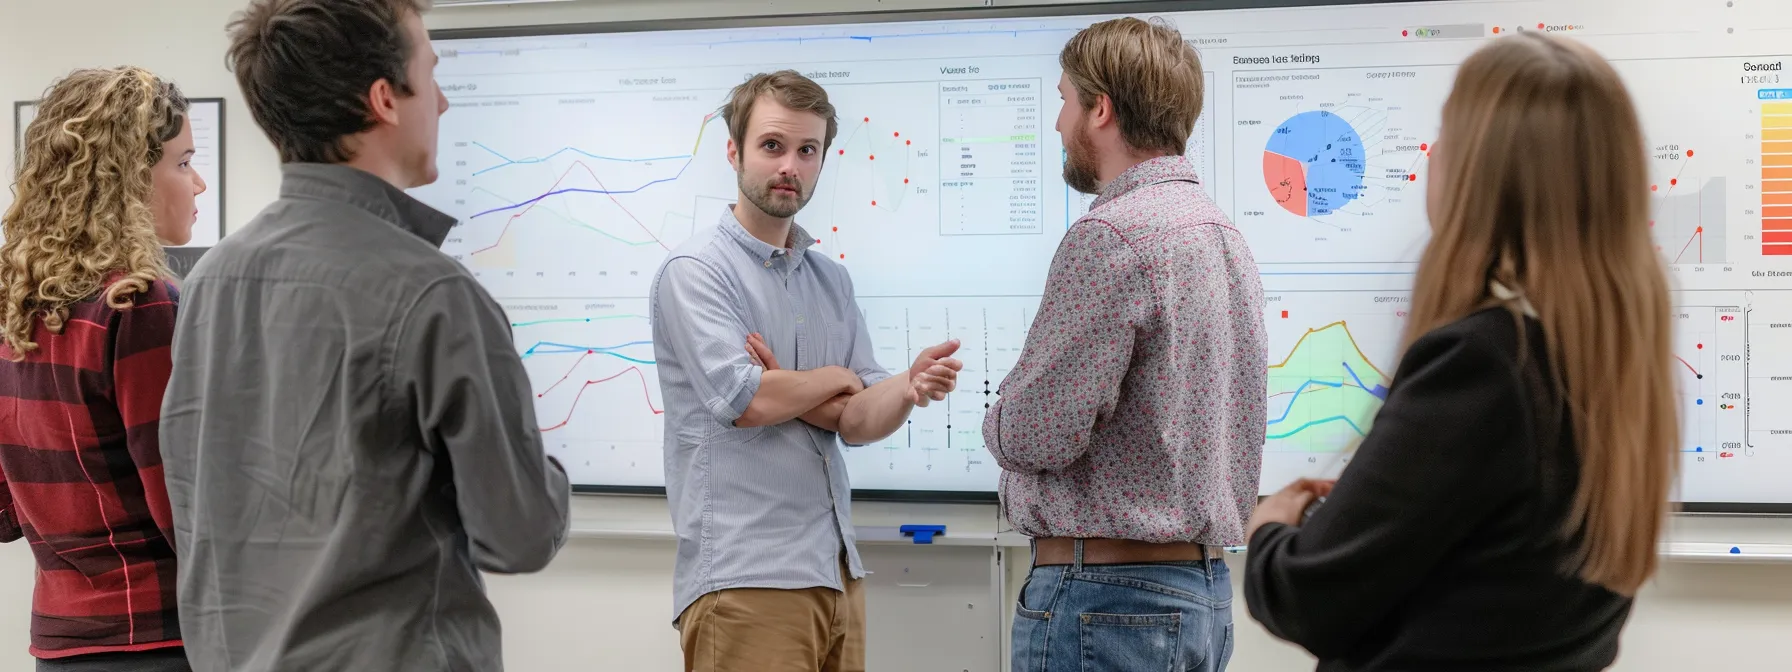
(516, 162)
(609, 192)
(566, 349)
(1379, 391)
(1303, 387)
(1335, 418)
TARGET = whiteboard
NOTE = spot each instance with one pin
(574, 157)
(207, 116)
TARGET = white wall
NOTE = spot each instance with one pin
(604, 604)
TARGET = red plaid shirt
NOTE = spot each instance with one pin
(81, 477)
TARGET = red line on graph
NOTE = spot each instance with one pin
(575, 367)
(575, 400)
(556, 187)
(1688, 366)
(1698, 235)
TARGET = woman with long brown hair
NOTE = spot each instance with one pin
(86, 324)
(1505, 506)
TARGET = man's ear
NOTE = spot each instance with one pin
(733, 154)
(382, 102)
(1103, 113)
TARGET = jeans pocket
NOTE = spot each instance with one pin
(1032, 623)
(1130, 642)
(1225, 650)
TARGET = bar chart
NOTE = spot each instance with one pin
(1776, 172)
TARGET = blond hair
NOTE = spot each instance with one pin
(1152, 76)
(81, 223)
(1568, 227)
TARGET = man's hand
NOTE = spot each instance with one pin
(760, 353)
(1287, 506)
(934, 374)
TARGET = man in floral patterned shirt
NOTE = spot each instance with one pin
(1130, 433)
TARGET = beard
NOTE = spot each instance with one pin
(776, 203)
(1079, 163)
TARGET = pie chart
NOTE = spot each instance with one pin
(1314, 164)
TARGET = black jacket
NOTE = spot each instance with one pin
(1439, 549)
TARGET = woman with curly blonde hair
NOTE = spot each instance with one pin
(86, 323)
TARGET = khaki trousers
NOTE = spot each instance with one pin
(771, 630)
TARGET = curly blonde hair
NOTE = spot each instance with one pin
(81, 222)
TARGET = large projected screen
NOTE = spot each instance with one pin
(576, 157)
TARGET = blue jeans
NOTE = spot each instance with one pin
(1172, 616)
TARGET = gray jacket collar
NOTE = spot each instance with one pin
(342, 184)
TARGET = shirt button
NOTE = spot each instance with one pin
(799, 319)
(768, 263)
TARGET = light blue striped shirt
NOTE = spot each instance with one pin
(759, 507)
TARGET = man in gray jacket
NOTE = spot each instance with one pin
(348, 435)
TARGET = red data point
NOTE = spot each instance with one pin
(1654, 187)
(1699, 230)
(908, 142)
(843, 152)
(1539, 26)
(897, 134)
(842, 256)
(1689, 153)
(873, 157)
(905, 180)
(1403, 33)
(1701, 346)
(1674, 182)
(867, 120)
(874, 204)
(1424, 147)
(836, 229)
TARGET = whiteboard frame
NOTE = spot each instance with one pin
(971, 13)
(214, 187)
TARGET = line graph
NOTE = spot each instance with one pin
(576, 167)
(553, 201)
(521, 162)
(601, 190)
(595, 381)
(1708, 350)
(1687, 213)
(1327, 387)
(646, 394)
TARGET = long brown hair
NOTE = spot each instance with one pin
(1543, 176)
(81, 222)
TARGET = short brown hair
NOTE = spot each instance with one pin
(1149, 72)
(791, 89)
(305, 67)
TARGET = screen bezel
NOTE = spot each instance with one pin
(949, 14)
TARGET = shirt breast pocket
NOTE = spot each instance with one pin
(838, 348)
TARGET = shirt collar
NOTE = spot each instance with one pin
(1504, 293)
(363, 190)
(1146, 173)
(796, 244)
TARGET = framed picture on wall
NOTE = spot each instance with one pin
(207, 117)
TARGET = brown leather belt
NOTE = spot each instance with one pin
(1062, 551)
